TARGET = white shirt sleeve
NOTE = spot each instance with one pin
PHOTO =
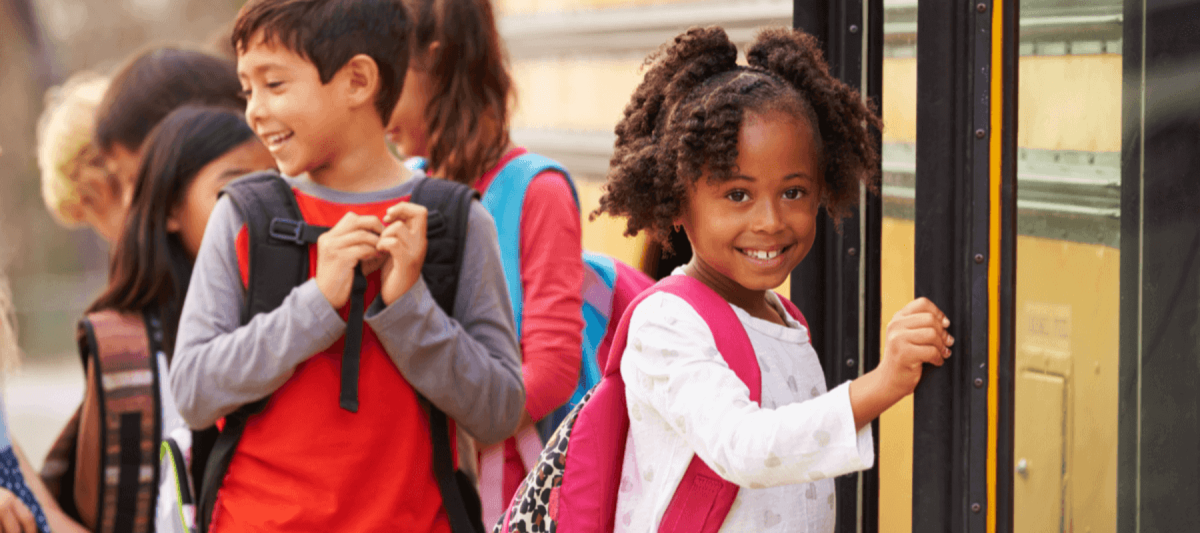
(673, 373)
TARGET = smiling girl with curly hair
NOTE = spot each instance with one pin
(742, 157)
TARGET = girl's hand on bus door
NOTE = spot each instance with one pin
(917, 334)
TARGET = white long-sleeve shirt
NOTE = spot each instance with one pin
(684, 400)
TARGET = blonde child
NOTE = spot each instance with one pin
(76, 186)
(741, 157)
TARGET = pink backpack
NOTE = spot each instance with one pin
(573, 488)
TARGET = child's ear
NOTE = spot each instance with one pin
(361, 80)
(173, 224)
(434, 49)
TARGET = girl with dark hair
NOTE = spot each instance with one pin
(188, 158)
(741, 157)
(145, 90)
(454, 112)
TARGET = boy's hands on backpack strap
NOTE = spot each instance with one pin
(915, 336)
(405, 242)
(351, 240)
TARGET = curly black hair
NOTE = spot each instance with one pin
(685, 117)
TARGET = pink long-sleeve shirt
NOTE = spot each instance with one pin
(552, 280)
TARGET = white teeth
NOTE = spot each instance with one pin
(760, 254)
(277, 138)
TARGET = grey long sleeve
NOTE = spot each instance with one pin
(467, 367)
(476, 383)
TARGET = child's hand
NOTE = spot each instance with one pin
(351, 240)
(404, 241)
(15, 517)
(916, 335)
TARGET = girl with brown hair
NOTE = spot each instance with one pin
(188, 158)
(454, 112)
(148, 88)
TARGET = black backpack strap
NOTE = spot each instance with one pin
(352, 348)
(279, 261)
(449, 206)
(277, 265)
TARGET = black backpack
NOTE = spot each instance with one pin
(279, 260)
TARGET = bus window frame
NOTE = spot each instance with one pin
(838, 283)
(965, 251)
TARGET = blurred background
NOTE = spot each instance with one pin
(575, 63)
(578, 60)
(54, 271)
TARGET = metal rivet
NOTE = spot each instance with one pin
(979, 258)
(854, 28)
(975, 507)
(979, 133)
(981, 7)
(979, 383)
(852, 251)
(850, 363)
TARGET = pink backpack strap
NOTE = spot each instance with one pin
(630, 284)
(587, 497)
(703, 499)
(793, 310)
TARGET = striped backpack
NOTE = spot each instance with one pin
(573, 488)
(106, 464)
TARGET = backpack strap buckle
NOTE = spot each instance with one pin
(295, 231)
(287, 230)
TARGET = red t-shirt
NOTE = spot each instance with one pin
(364, 471)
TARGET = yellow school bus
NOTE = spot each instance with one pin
(1040, 182)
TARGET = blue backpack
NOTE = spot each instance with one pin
(608, 284)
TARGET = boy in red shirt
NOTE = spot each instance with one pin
(320, 78)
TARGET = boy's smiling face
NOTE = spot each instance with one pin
(754, 228)
(294, 114)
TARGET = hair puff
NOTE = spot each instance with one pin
(684, 119)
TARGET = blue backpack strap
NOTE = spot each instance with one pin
(504, 199)
(417, 163)
(600, 276)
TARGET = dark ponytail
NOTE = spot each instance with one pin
(467, 117)
(643, 175)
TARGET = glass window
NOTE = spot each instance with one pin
(1159, 436)
(1068, 265)
(896, 262)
